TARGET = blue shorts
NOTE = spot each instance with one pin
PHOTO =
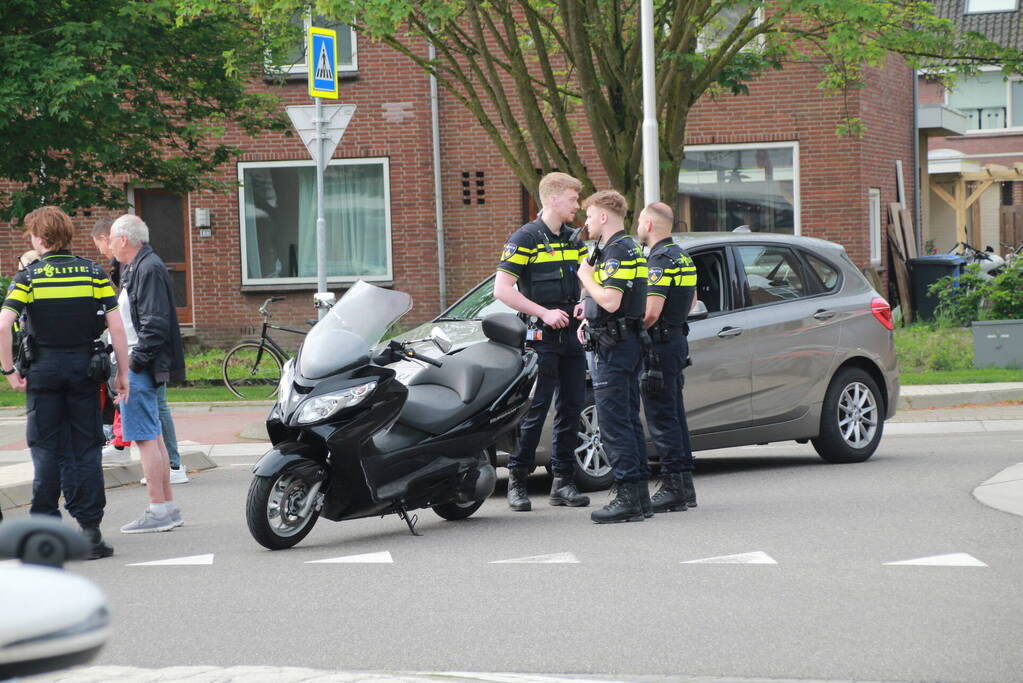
(140, 416)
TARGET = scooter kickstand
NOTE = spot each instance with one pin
(400, 510)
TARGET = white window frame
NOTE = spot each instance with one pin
(384, 162)
(967, 10)
(302, 68)
(874, 221)
(1008, 105)
(758, 18)
(793, 145)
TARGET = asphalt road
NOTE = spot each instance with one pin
(828, 609)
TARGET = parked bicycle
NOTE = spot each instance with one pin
(252, 368)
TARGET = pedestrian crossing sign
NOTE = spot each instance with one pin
(322, 63)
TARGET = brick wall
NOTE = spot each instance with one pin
(782, 106)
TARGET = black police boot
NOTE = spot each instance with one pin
(624, 508)
(518, 496)
(564, 492)
(670, 497)
(98, 547)
(643, 491)
(689, 491)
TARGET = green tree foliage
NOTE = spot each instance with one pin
(532, 70)
(94, 88)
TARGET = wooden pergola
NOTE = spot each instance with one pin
(981, 180)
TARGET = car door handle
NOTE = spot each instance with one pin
(824, 315)
(730, 332)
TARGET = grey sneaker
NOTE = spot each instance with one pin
(148, 523)
(175, 516)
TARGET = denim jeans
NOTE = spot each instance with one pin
(170, 438)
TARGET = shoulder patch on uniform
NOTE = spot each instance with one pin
(655, 274)
(611, 267)
(508, 251)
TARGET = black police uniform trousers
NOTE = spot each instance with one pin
(65, 434)
(665, 411)
(561, 378)
(616, 394)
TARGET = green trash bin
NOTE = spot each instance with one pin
(924, 271)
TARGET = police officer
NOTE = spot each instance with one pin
(542, 259)
(616, 279)
(671, 292)
(67, 300)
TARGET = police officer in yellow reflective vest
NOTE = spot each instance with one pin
(671, 292)
(541, 258)
(68, 301)
(616, 280)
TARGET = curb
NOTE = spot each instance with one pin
(1004, 491)
(946, 396)
(20, 493)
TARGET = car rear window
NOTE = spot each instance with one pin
(827, 273)
(773, 274)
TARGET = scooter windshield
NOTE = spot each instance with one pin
(355, 323)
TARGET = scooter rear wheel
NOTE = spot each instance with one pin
(273, 510)
(454, 511)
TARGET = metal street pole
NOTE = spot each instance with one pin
(651, 159)
(321, 223)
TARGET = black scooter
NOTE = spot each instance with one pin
(351, 441)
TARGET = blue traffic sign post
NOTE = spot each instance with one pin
(321, 60)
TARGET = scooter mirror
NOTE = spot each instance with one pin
(442, 340)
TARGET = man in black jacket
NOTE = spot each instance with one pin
(155, 358)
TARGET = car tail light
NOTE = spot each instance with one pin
(882, 311)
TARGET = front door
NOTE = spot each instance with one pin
(164, 213)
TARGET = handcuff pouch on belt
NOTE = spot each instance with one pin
(99, 362)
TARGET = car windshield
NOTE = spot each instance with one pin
(354, 324)
(477, 304)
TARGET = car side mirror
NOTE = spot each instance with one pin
(699, 311)
(441, 340)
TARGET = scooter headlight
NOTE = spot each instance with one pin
(321, 407)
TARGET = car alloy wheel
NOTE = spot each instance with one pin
(857, 415)
(591, 459)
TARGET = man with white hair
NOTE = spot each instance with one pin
(155, 358)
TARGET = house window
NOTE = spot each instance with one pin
(874, 212)
(721, 25)
(989, 101)
(975, 6)
(278, 221)
(294, 62)
(755, 185)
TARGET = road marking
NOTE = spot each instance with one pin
(190, 560)
(556, 558)
(950, 560)
(758, 557)
(367, 558)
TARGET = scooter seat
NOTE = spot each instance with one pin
(440, 398)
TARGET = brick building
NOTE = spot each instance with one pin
(771, 160)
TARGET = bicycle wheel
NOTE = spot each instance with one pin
(252, 370)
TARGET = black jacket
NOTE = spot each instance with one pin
(154, 316)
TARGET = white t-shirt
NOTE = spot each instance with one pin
(124, 306)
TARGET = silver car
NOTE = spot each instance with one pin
(788, 342)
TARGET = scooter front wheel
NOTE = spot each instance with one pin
(277, 510)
